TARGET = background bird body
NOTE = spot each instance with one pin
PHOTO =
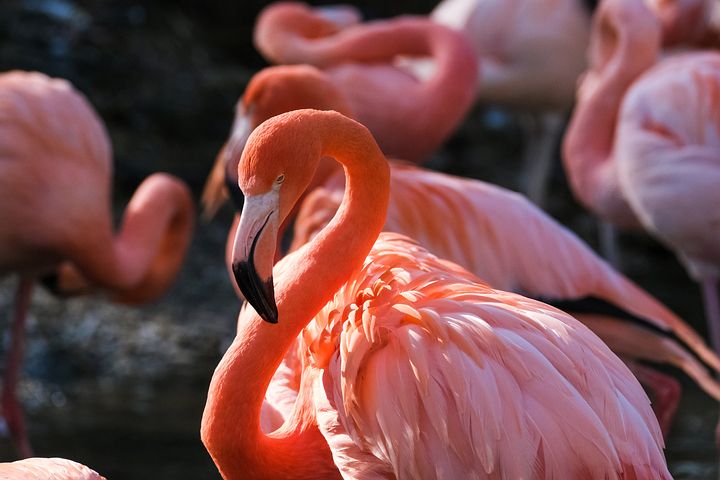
(55, 173)
(410, 118)
(47, 469)
(668, 164)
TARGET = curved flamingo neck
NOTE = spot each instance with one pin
(620, 55)
(304, 282)
(142, 260)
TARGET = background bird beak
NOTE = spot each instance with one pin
(254, 251)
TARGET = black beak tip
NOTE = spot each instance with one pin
(260, 294)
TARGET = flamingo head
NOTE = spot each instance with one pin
(273, 173)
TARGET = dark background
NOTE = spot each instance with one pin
(122, 389)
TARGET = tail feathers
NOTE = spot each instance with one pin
(640, 303)
(214, 194)
(638, 343)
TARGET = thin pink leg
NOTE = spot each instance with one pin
(10, 407)
(664, 391)
(712, 317)
(712, 310)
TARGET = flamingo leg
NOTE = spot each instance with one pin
(10, 407)
(542, 133)
(712, 309)
(609, 245)
(664, 391)
(712, 317)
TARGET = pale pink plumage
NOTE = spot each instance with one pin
(669, 164)
(47, 469)
(510, 243)
(642, 147)
(435, 377)
(412, 368)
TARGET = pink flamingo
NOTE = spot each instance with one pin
(47, 469)
(55, 172)
(531, 53)
(655, 124)
(482, 382)
(626, 41)
(668, 162)
(422, 200)
(410, 118)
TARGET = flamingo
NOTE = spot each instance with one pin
(55, 172)
(668, 164)
(422, 200)
(639, 150)
(531, 53)
(414, 367)
(47, 469)
(626, 41)
(410, 118)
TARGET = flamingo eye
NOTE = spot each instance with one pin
(280, 179)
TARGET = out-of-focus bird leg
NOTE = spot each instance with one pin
(609, 244)
(712, 317)
(10, 407)
(542, 137)
(712, 309)
(664, 391)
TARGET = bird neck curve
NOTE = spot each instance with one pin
(304, 282)
(620, 52)
(139, 263)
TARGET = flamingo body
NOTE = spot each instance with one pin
(531, 52)
(669, 162)
(55, 202)
(47, 469)
(483, 381)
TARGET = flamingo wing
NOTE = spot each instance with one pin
(439, 376)
(512, 244)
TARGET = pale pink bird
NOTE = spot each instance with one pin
(626, 41)
(47, 469)
(641, 148)
(410, 118)
(533, 51)
(55, 202)
(448, 216)
(668, 160)
(414, 367)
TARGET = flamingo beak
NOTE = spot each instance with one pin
(254, 251)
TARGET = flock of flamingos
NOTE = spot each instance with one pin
(416, 326)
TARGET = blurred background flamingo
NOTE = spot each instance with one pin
(410, 118)
(56, 171)
(47, 469)
(656, 125)
(669, 164)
